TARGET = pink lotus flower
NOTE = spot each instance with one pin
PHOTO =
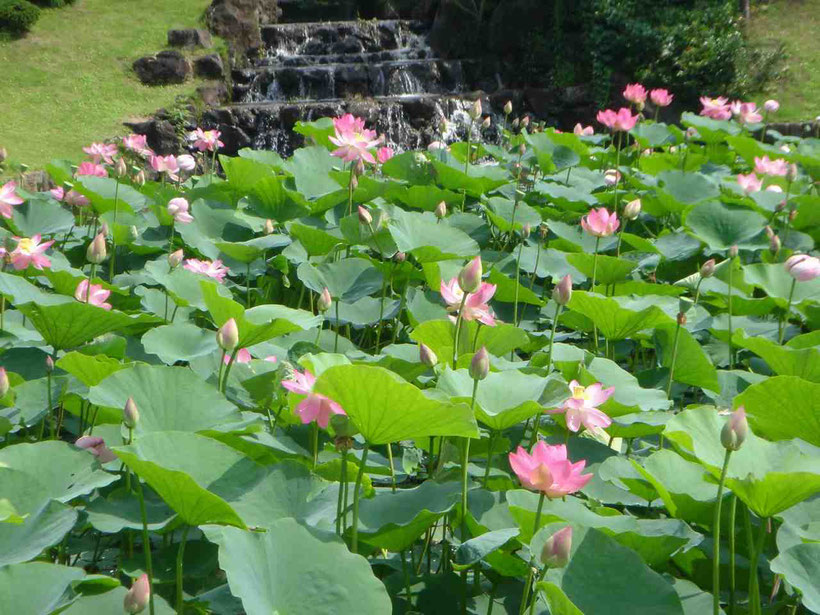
(96, 446)
(206, 140)
(30, 251)
(715, 108)
(548, 470)
(583, 131)
(73, 197)
(803, 267)
(475, 306)
(212, 269)
(138, 597)
(186, 162)
(137, 144)
(438, 145)
(661, 97)
(746, 113)
(92, 169)
(9, 198)
(167, 165)
(635, 93)
(314, 407)
(96, 296)
(778, 167)
(353, 140)
(178, 209)
(750, 183)
(582, 407)
(101, 151)
(621, 120)
(243, 356)
(600, 223)
(384, 154)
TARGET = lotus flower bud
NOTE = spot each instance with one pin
(427, 356)
(480, 364)
(792, 215)
(562, 292)
(441, 210)
(632, 209)
(130, 414)
(543, 230)
(120, 169)
(733, 251)
(486, 123)
(96, 252)
(522, 149)
(516, 122)
(774, 244)
(555, 553)
(400, 257)
(469, 278)
(508, 107)
(175, 258)
(735, 430)
(324, 301)
(769, 231)
(139, 178)
(49, 364)
(475, 111)
(525, 231)
(771, 105)
(4, 382)
(681, 319)
(525, 121)
(268, 226)
(138, 596)
(364, 216)
(228, 335)
(791, 173)
(707, 270)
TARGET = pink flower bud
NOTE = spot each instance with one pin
(774, 244)
(486, 123)
(475, 110)
(400, 257)
(632, 209)
(562, 292)
(707, 270)
(771, 105)
(325, 300)
(555, 553)
(525, 231)
(120, 169)
(469, 278)
(769, 231)
(441, 210)
(735, 430)
(427, 356)
(508, 107)
(525, 121)
(228, 335)
(49, 364)
(96, 252)
(803, 267)
(733, 251)
(138, 596)
(130, 414)
(268, 226)
(175, 258)
(681, 319)
(364, 216)
(480, 364)
(139, 178)
(4, 382)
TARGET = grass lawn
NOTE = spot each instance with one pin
(797, 24)
(69, 81)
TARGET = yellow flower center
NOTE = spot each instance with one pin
(580, 392)
(26, 245)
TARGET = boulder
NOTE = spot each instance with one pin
(209, 66)
(163, 68)
(215, 94)
(160, 134)
(238, 21)
(189, 37)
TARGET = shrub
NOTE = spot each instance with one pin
(51, 4)
(17, 16)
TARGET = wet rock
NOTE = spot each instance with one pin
(189, 37)
(239, 21)
(215, 94)
(209, 66)
(164, 68)
(160, 134)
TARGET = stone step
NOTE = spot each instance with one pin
(319, 38)
(404, 53)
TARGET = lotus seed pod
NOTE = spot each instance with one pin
(324, 301)
(469, 278)
(130, 414)
(735, 430)
(96, 252)
(228, 335)
(427, 356)
(555, 553)
(480, 364)
(562, 293)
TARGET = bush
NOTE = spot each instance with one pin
(51, 4)
(17, 16)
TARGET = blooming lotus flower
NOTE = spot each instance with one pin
(206, 140)
(548, 470)
(96, 446)
(475, 306)
(750, 183)
(582, 407)
(353, 140)
(778, 167)
(635, 93)
(212, 269)
(771, 105)
(243, 356)
(661, 97)
(186, 162)
(178, 209)
(621, 120)
(715, 108)
(314, 407)
(73, 197)
(746, 113)
(30, 251)
(96, 296)
(583, 131)
(383, 154)
(803, 267)
(91, 168)
(9, 198)
(167, 165)
(600, 223)
(137, 598)
(137, 144)
(101, 151)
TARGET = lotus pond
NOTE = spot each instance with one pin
(554, 373)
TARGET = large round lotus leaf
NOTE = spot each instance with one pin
(35, 588)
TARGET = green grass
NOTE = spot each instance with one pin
(797, 24)
(69, 81)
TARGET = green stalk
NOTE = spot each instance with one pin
(381, 308)
(674, 359)
(620, 237)
(489, 457)
(458, 328)
(228, 369)
(338, 326)
(180, 562)
(406, 574)
(732, 512)
(146, 544)
(354, 536)
(341, 492)
(392, 470)
(592, 289)
(537, 419)
(781, 326)
(754, 585)
(315, 441)
(525, 597)
(517, 283)
(731, 355)
(716, 544)
(465, 460)
(50, 407)
(111, 263)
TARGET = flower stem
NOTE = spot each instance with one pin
(784, 318)
(716, 543)
(592, 289)
(674, 359)
(406, 574)
(112, 262)
(754, 586)
(228, 369)
(338, 326)
(146, 544)
(465, 460)
(354, 537)
(459, 320)
(180, 562)
(315, 441)
(732, 513)
(489, 457)
(731, 355)
(517, 283)
(392, 468)
(525, 597)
